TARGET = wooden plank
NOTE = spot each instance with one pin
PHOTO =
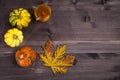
(86, 68)
(68, 26)
(72, 46)
(96, 43)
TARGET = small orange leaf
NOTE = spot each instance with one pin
(49, 47)
(69, 59)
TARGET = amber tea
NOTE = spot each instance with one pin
(42, 12)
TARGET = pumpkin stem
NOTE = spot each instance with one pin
(15, 36)
(19, 16)
(21, 56)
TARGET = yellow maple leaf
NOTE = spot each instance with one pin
(55, 59)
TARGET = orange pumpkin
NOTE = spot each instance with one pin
(25, 56)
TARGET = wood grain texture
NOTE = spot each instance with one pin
(88, 66)
(89, 28)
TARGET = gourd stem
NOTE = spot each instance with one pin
(19, 17)
(15, 36)
(21, 56)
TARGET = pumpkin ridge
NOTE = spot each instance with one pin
(25, 56)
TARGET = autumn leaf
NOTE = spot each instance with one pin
(55, 59)
(48, 48)
(69, 59)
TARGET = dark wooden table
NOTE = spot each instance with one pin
(89, 28)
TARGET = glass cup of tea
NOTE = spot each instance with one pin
(42, 12)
